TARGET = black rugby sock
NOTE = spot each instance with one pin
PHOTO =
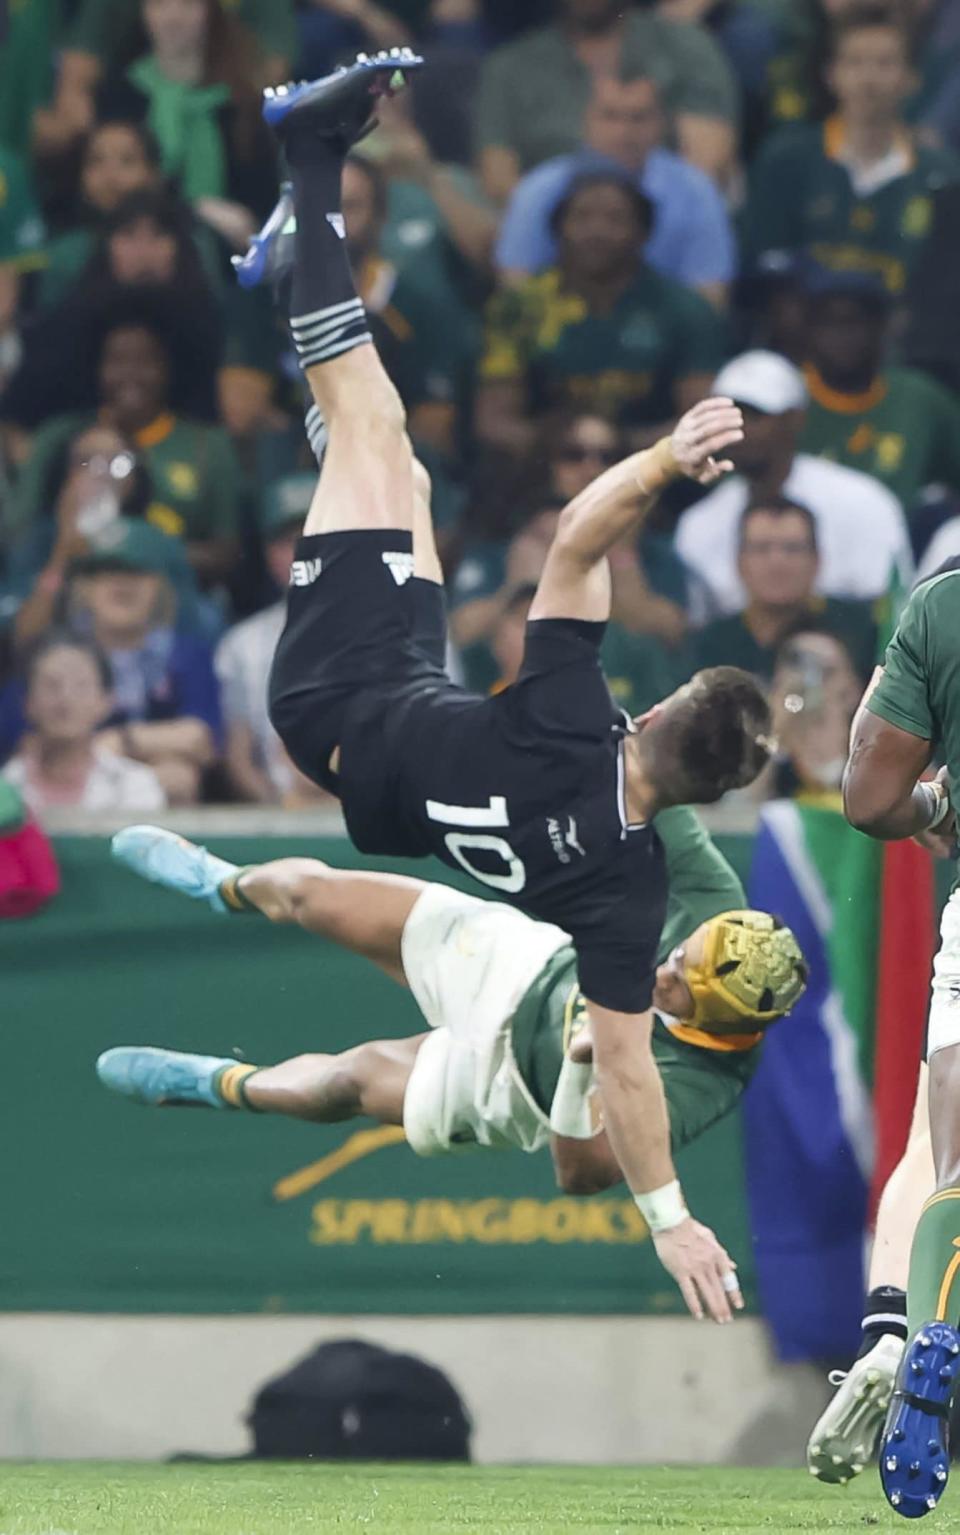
(885, 1311)
(326, 316)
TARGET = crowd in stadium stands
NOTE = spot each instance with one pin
(584, 217)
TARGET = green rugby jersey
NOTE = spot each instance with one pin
(193, 467)
(701, 1084)
(626, 360)
(920, 688)
(904, 430)
(730, 641)
(802, 197)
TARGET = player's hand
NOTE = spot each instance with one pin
(705, 1272)
(703, 433)
(940, 840)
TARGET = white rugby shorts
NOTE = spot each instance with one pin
(944, 1027)
(468, 963)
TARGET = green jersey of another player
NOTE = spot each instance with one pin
(911, 715)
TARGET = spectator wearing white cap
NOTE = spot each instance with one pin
(861, 530)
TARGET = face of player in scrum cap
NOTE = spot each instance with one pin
(735, 974)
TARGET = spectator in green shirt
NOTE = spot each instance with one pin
(777, 563)
(192, 466)
(190, 78)
(893, 423)
(600, 330)
(533, 92)
(856, 192)
(103, 35)
(117, 159)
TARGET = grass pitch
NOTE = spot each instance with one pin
(272, 1499)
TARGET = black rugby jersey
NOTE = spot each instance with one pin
(525, 791)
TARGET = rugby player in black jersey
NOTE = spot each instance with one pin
(545, 793)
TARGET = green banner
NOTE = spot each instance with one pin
(112, 1208)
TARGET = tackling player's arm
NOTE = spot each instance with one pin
(575, 581)
(891, 741)
(638, 1129)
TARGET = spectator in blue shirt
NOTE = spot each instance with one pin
(121, 597)
(691, 240)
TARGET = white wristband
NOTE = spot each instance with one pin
(662, 1209)
(940, 804)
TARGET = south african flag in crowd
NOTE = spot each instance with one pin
(827, 1115)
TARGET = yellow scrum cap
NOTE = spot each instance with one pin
(751, 970)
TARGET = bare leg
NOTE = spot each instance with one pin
(369, 1080)
(907, 1189)
(367, 480)
(362, 912)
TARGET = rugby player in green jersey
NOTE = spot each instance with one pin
(910, 713)
(508, 1060)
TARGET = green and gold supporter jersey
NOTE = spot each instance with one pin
(626, 361)
(196, 478)
(920, 688)
(904, 430)
(21, 227)
(802, 198)
(730, 641)
(702, 1080)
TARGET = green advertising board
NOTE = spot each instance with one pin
(112, 1208)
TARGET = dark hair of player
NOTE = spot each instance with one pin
(711, 736)
(778, 506)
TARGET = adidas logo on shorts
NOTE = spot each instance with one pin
(305, 572)
(399, 565)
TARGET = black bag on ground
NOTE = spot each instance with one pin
(352, 1400)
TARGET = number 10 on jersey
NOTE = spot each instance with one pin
(460, 843)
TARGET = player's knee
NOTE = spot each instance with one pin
(309, 892)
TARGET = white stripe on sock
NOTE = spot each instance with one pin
(309, 358)
(322, 314)
(318, 332)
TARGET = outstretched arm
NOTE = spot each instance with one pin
(575, 582)
(638, 1129)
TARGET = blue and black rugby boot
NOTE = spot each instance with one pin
(914, 1456)
(269, 256)
(341, 106)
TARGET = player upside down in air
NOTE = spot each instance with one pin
(546, 793)
(508, 1061)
